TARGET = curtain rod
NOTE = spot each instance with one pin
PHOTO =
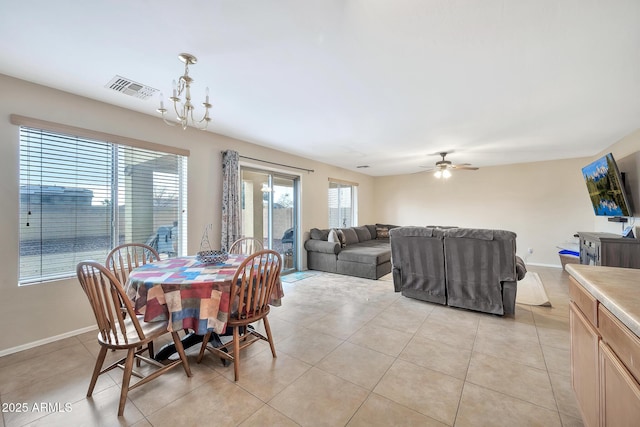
(277, 164)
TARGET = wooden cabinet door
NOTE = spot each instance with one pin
(584, 366)
(620, 393)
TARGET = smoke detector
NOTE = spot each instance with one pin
(131, 88)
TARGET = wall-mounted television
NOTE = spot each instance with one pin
(606, 188)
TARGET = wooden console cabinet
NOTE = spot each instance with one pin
(605, 349)
(609, 250)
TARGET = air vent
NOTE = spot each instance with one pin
(131, 88)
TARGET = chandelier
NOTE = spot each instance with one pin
(184, 110)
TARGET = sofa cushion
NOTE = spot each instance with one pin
(363, 233)
(481, 234)
(372, 230)
(368, 254)
(350, 236)
(317, 234)
(389, 226)
(416, 232)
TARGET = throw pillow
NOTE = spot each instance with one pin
(372, 230)
(382, 233)
(341, 237)
(363, 233)
(350, 236)
(317, 234)
(333, 236)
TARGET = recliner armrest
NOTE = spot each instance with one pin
(521, 268)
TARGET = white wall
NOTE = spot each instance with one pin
(38, 312)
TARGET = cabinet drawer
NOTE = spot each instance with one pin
(584, 300)
(624, 343)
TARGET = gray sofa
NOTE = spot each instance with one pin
(365, 252)
(476, 269)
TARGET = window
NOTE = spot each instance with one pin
(81, 197)
(342, 203)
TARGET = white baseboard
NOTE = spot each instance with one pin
(539, 264)
(47, 340)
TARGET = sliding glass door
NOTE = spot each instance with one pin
(270, 211)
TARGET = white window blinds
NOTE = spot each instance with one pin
(342, 199)
(79, 198)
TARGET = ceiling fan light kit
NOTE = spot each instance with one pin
(184, 110)
(443, 167)
(442, 174)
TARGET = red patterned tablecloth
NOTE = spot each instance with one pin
(189, 294)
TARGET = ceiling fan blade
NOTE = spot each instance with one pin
(465, 167)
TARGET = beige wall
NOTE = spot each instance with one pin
(39, 312)
(545, 202)
(626, 152)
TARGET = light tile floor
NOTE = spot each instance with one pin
(351, 352)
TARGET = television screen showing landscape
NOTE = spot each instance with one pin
(605, 187)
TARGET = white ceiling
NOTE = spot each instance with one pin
(357, 82)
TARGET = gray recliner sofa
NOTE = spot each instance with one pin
(418, 263)
(476, 269)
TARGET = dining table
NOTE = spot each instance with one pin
(187, 293)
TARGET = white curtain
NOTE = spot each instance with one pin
(230, 198)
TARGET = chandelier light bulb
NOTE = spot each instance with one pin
(438, 174)
(446, 173)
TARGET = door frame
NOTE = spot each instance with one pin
(296, 214)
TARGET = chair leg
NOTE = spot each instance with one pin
(183, 356)
(126, 378)
(205, 341)
(236, 353)
(267, 328)
(96, 370)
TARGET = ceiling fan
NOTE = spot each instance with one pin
(443, 167)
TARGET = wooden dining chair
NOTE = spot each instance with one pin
(124, 258)
(246, 246)
(120, 329)
(251, 290)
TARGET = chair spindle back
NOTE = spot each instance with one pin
(246, 246)
(114, 312)
(253, 285)
(124, 258)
